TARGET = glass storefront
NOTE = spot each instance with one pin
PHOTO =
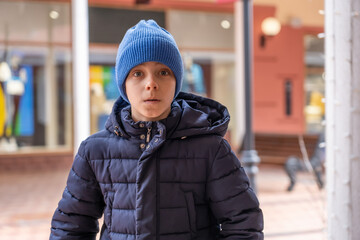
(35, 76)
(314, 84)
(36, 62)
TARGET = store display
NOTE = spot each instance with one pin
(103, 93)
(15, 103)
(193, 77)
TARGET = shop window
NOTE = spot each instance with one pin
(35, 76)
(103, 93)
(314, 84)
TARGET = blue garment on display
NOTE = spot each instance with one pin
(26, 108)
(110, 89)
(198, 80)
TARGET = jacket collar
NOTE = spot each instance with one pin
(190, 115)
(121, 123)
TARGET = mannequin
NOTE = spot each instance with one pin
(193, 77)
(5, 75)
(13, 89)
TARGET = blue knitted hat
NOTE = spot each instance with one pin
(146, 42)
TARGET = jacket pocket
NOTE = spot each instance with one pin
(108, 209)
(190, 204)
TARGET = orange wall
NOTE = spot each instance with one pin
(282, 58)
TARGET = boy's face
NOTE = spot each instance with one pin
(150, 88)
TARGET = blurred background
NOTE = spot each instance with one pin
(37, 113)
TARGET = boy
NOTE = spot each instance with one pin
(161, 169)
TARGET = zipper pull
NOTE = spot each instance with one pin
(148, 135)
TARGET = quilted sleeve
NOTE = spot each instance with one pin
(231, 199)
(81, 205)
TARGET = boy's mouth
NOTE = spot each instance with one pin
(152, 100)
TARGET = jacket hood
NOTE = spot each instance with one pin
(190, 115)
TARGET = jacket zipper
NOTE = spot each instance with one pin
(148, 135)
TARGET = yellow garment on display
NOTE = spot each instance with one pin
(96, 74)
(97, 97)
(316, 100)
(2, 111)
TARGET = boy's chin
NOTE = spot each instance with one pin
(154, 117)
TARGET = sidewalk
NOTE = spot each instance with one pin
(27, 202)
(296, 215)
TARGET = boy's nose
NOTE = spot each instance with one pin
(151, 83)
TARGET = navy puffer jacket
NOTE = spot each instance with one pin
(175, 179)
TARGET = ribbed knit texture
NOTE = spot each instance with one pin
(146, 42)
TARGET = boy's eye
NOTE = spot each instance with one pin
(137, 74)
(164, 72)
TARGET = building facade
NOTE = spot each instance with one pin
(35, 43)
